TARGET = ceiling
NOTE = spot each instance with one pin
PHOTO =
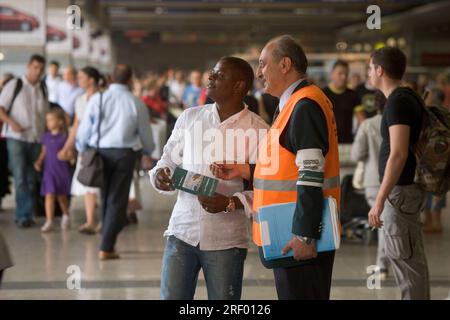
(316, 22)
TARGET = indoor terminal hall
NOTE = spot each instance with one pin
(224, 150)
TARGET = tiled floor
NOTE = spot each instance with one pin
(41, 261)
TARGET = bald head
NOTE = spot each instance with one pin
(70, 74)
(122, 74)
(281, 62)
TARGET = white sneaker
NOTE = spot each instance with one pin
(65, 222)
(47, 227)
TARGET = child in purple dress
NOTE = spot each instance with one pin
(56, 180)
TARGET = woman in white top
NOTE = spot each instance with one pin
(88, 79)
(366, 148)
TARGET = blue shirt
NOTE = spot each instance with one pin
(191, 95)
(67, 95)
(125, 122)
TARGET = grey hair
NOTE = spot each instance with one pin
(286, 46)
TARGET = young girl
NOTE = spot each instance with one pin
(56, 178)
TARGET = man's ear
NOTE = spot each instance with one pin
(285, 64)
(240, 86)
(379, 71)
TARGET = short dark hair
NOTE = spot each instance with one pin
(392, 60)
(122, 73)
(93, 73)
(55, 63)
(286, 46)
(243, 68)
(340, 63)
(37, 58)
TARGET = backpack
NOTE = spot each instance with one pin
(18, 87)
(432, 150)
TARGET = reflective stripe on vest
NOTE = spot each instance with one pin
(291, 185)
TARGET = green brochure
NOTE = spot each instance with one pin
(194, 183)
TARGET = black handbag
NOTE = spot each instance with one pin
(91, 172)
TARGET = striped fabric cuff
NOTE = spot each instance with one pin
(310, 178)
(311, 165)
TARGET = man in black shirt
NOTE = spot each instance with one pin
(366, 96)
(345, 101)
(399, 200)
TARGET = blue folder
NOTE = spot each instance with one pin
(276, 228)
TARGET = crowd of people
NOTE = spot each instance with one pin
(135, 122)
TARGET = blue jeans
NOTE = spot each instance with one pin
(21, 157)
(223, 270)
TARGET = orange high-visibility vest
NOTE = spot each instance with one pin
(276, 175)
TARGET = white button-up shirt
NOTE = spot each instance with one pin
(52, 87)
(67, 95)
(190, 147)
(28, 110)
(124, 123)
(288, 93)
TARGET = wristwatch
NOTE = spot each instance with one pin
(231, 205)
(305, 240)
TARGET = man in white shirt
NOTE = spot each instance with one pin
(52, 80)
(176, 88)
(119, 123)
(69, 91)
(23, 113)
(214, 239)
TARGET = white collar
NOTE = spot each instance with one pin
(235, 117)
(287, 93)
(25, 81)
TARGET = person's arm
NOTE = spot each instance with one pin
(144, 129)
(308, 134)
(67, 151)
(85, 127)
(399, 143)
(243, 200)
(171, 157)
(229, 171)
(5, 103)
(10, 121)
(360, 147)
(40, 159)
(218, 203)
(70, 143)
